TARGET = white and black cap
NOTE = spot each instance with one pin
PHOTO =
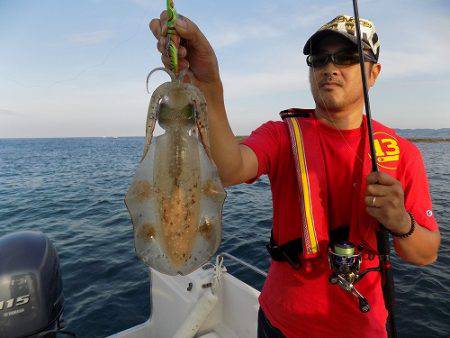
(344, 26)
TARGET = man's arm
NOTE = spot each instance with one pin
(420, 248)
(385, 202)
(236, 163)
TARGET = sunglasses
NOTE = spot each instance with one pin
(341, 58)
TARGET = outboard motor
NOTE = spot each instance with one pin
(31, 292)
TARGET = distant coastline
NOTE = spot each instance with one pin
(419, 135)
(412, 139)
(428, 140)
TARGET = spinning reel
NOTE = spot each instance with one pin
(345, 262)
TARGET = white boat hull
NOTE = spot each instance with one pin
(187, 306)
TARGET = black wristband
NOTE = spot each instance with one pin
(409, 233)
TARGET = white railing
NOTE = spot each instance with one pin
(251, 267)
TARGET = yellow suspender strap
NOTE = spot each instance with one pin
(310, 243)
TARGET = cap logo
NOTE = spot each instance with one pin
(349, 22)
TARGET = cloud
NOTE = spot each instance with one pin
(407, 64)
(9, 112)
(264, 83)
(228, 33)
(427, 55)
(148, 4)
(264, 25)
(90, 38)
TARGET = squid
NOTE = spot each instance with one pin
(176, 197)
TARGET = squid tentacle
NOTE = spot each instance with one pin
(152, 114)
(201, 118)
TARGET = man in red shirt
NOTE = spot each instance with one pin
(299, 301)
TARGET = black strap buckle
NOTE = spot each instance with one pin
(295, 265)
(288, 252)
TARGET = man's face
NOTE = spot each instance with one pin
(336, 88)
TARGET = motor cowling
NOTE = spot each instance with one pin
(31, 292)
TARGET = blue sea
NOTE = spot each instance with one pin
(72, 189)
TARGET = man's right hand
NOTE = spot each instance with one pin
(194, 52)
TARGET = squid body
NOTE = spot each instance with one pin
(176, 197)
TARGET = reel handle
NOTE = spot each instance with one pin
(364, 305)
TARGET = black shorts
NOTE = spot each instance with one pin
(265, 329)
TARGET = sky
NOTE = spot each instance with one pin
(78, 68)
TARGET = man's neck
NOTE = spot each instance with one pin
(342, 119)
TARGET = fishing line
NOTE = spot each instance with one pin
(329, 118)
(88, 68)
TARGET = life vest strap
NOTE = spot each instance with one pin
(296, 112)
(291, 251)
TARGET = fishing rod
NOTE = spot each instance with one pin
(383, 245)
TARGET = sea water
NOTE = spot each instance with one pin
(73, 190)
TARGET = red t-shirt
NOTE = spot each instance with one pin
(303, 303)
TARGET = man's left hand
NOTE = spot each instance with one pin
(385, 201)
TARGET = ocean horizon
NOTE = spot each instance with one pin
(419, 134)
